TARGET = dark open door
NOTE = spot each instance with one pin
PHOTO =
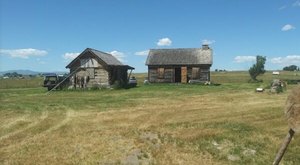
(177, 75)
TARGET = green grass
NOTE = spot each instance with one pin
(182, 123)
(21, 83)
(243, 76)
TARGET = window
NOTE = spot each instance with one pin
(195, 73)
(160, 72)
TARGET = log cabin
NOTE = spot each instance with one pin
(179, 65)
(96, 68)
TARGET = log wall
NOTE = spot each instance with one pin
(200, 73)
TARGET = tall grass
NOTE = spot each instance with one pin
(21, 83)
(216, 77)
(154, 124)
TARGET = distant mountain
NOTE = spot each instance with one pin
(28, 72)
(23, 72)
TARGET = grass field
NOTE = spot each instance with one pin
(150, 124)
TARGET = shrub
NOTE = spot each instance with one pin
(279, 89)
(293, 81)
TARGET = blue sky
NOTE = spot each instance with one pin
(45, 35)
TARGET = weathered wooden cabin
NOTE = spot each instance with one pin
(94, 68)
(179, 65)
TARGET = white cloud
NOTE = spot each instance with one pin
(288, 27)
(23, 53)
(277, 60)
(164, 42)
(119, 55)
(70, 56)
(242, 59)
(208, 42)
(296, 4)
(142, 53)
(282, 7)
(288, 60)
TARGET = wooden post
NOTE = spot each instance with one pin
(184, 74)
(129, 75)
(284, 146)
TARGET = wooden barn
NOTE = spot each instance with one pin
(179, 65)
(95, 68)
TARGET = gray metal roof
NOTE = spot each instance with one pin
(105, 57)
(182, 56)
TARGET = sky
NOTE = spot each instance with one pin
(45, 35)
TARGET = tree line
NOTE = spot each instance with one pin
(291, 68)
(259, 68)
(13, 74)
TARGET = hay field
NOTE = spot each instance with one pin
(153, 124)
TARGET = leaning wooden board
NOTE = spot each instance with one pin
(292, 112)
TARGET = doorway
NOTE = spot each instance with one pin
(178, 75)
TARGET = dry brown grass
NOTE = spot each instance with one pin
(292, 109)
(191, 128)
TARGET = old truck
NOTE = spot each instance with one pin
(52, 80)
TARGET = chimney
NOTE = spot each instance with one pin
(205, 47)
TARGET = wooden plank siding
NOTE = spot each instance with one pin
(200, 73)
(93, 68)
(180, 65)
(97, 75)
(152, 74)
(169, 75)
(101, 76)
(184, 75)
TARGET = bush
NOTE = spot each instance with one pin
(279, 89)
(292, 81)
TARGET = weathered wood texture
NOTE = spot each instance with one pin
(118, 74)
(184, 75)
(101, 77)
(97, 75)
(93, 68)
(169, 74)
(200, 73)
(284, 146)
(152, 75)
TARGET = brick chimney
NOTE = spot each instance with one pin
(205, 47)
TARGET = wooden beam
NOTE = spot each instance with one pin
(283, 147)
(129, 74)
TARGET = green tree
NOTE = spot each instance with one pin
(258, 68)
(291, 68)
(13, 74)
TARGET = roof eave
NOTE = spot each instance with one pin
(85, 50)
(122, 66)
(179, 64)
